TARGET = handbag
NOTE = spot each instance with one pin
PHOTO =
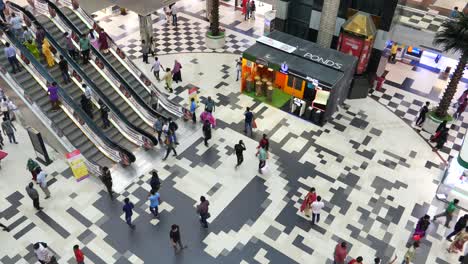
(254, 124)
(208, 215)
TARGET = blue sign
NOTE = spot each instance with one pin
(284, 68)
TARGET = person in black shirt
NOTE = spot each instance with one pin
(104, 110)
(248, 121)
(206, 131)
(459, 226)
(174, 235)
(422, 114)
(63, 65)
(87, 106)
(106, 178)
(239, 148)
(155, 183)
(173, 128)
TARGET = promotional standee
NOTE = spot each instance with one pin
(77, 165)
(315, 80)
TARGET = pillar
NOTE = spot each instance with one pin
(209, 7)
(282, 7)
(146, 27)
(328, 22)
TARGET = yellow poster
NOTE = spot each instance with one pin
(77, 165)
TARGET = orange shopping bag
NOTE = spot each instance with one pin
(254, 124)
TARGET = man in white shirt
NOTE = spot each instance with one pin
(42, 181)
(10, 53)
(238, 67)
(174, 15)
(316, 208)
(42, 252)
(156, 67)
(16, 25)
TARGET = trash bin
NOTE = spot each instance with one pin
(270, 93)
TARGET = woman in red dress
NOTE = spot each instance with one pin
(244, 6)
(103, 44)
(308, 200)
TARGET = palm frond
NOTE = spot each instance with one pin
(454, 35)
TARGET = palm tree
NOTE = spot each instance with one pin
(214, 26)
(454, 38)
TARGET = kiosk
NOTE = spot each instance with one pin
(297, 76)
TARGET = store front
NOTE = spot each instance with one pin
(455, 181)
(297, 76)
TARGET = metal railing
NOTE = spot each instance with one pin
(168, 105)
(109, 148)
(148, 140)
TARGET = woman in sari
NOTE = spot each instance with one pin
(459, 242)
(48, 53)
(32, 47)
(176, 74)
(93, 38)
(308, 200)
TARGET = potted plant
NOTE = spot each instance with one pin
(215, 36)
(452, 38)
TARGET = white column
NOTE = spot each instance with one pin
(146, 27)
(328, 22)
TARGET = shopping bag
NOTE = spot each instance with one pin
(254, 124)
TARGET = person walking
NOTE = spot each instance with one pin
(32, 166)
(393, 52)
(448, 213)
(252, 9)
(441, 139)
(10, 53)
(87, 106)
(459, 226)
(206, 131)
(176, 73)
(170, 144)
(128, 209)
(379, 261)
(340, 253)
(4, 108)
(174, 12)
(63, 65)
(264, 142)
(9, 130)
(422, 226)
(79, 256)
(173, 128)
(32, 47)
(145, 48)
(262, 157)
(410, 253)
(156, 68)
(357, 260)
(52, 90)
(193, 107)
(168, 80)
(47, 52)
(174, 236)
(84, 48)
(210, 105)
(43, 253)
(247, 10)
(34, 195)
(103, 42)
(239, 148)
(158, 128)
(70, 46)
(202, 210)
(306, 205)
(461, 108)
(104, 110)
(155, 183)
(422, 114)
(460, 239)
(42, 181)
(238, 68)
(106, 178)
(439, 129)
(316, 208)
(248, 121)
(155, 200)
(40, 36)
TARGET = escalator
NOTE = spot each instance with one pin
(100, 82)
(75, 93)
(60, 119)
(119, 67)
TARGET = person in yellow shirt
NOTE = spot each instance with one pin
(48, 53)
(393, 51)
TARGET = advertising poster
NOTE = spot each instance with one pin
(77, 165)
(351, 46)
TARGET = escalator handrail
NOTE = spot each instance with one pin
(65, 97)
(80, 71)
(115, 74)
(175, 109)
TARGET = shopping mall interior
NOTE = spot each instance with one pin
(119, 116)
